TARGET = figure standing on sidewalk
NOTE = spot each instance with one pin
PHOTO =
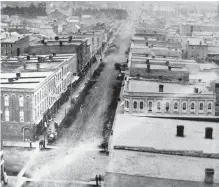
(96, 179)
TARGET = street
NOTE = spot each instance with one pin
(78, 157)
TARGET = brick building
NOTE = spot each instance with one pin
(14, 44)
(197, 49)
(63, 46)
(165, 98)
(32, 96)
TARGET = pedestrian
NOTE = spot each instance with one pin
(96, 179)
(44, 144)
(30, 144)
(99, 178)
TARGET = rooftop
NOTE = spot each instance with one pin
(135, 131)
(143, 86)
(28, 80)
(196, 41)
(158, 170)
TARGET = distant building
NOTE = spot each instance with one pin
(153, 69)
(196, 49)
(63, 46)
(163, 98)
(13, 44)
(31, 95)
(57, 15)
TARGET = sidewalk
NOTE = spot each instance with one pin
(63, 110)
(66, 106)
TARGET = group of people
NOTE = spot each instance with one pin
(98, 180)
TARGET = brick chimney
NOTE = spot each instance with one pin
(209, 175)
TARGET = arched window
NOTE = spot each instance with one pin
(184, 106)
(150, 106)
(21, 101)
(6, 114)
(141, 105)
(175, 106)
(209, 106)
(135, 104)
(126, 103)
(193, 106)
(21, 116)
(167, 106)
(201, 106)
(158, 106)
(6, 99)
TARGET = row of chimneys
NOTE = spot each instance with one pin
(180, 131)
(11, 80)
(40, 58)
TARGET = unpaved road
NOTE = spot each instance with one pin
(78, 157)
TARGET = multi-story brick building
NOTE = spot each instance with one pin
(63, 46)
(157, 69)
(197, 49)
(14, 44)
(32, 96)
(165, 98)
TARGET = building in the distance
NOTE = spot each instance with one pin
(32, 91)
(168, 98)
(13, 44)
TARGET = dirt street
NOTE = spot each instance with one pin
(78, 157)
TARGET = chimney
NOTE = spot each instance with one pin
(38, 66)
(50, 57)
(160, 88)
(147, 61)
(54, 54)
(146, 43)
(153, 56)
(148, 67)
(167, 63)
(200, 42)
(209, 175)
(146, 55)
(18, 75)
(28, 57)
(195, 90)
(40, 59)
(169, 68)
(180, 130)
(69, 39)
(60, 43)
(208, 132)
(56, 38)
(10, 80)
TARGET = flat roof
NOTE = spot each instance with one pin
(196, 41)
(160, 133)
(158, 67)
(28, 80)
(158, 166)
(144, 86)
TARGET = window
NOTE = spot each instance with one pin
(141, 105)
(158, 106)
(209, 107)
(184, 106)
(175, 107)
(135, 104)
(150, 106)
(6, 98)
(126, 103)
(6, 115)
(21, 101)
(201, 107)
(167, 106)
(21, 116)
(193, 106)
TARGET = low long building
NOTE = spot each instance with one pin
(166, 98)
(34, 92)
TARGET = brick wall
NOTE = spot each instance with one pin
(14, 127)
